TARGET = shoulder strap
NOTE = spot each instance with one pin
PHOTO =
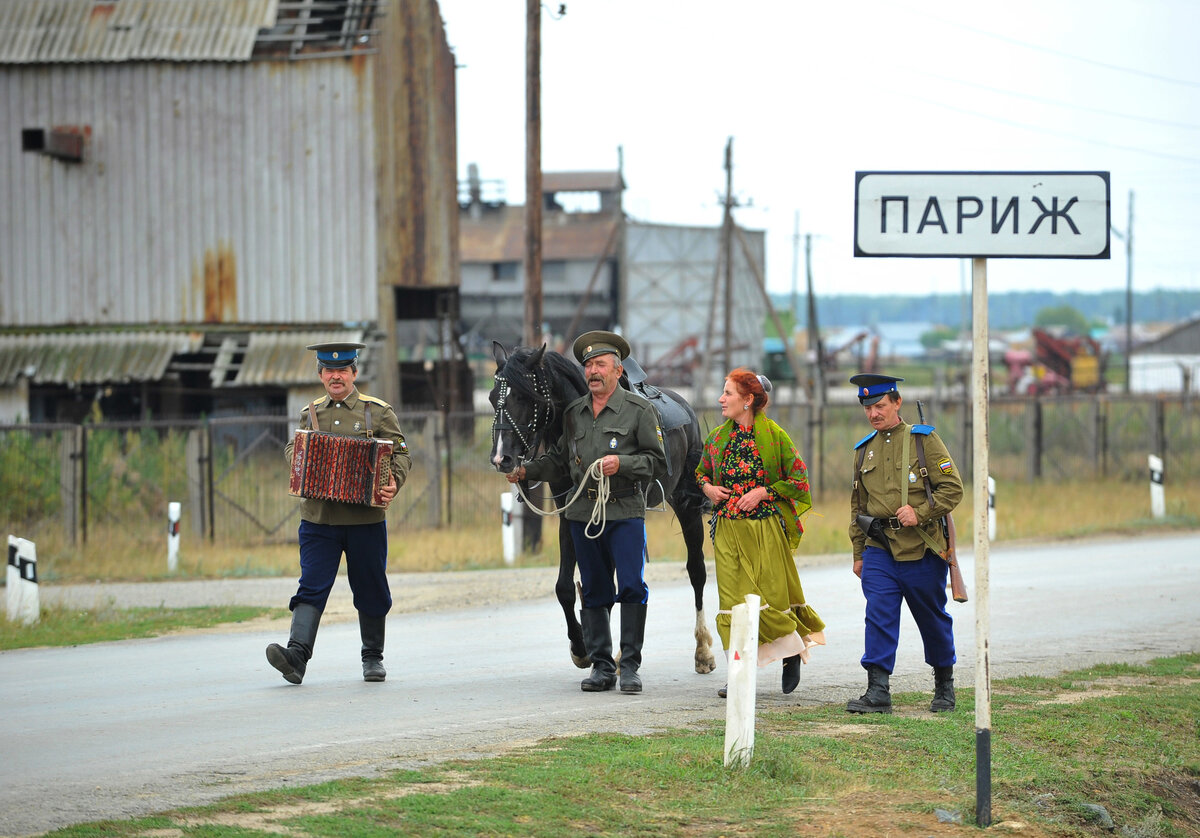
(919, 436)
(312, 415)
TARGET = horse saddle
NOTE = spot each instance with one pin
(671, 414)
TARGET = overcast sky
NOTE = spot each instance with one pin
(812, 93)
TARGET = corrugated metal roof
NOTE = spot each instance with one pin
(500, 236)
(280, 358)
(93, 357)
(65, 31)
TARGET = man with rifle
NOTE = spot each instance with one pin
(905, 487)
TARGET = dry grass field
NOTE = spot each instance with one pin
(1029, 511)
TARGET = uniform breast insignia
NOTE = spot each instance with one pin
(658, 431)
(404, 446)
(912, 478)
(612, 443)
(945, 465)
(357, 427)
(871, 454)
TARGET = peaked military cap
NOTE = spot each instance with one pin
(590, 344)
(873, 387)
(336, 355)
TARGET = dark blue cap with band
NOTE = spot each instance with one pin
(336, 355)
(873, 387)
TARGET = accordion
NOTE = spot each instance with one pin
(349, 469)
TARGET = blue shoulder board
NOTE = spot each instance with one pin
(864, 440)
(923, 429)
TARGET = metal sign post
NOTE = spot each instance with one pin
(977, 215)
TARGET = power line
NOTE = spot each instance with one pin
(1058, 53)
(1025, 126)
(1190, 126)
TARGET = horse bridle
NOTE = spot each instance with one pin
(543, 413)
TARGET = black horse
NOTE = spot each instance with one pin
(531, 389)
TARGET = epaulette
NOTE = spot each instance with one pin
(372, 399)
(864, 440)
(925, 430)
(317, 402)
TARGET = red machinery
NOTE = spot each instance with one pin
(1056, 366)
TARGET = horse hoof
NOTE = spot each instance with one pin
(580, 660)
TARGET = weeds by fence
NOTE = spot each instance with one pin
(109, 482)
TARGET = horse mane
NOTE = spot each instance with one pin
(566, 377)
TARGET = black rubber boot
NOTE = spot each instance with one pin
(633, 632)
(293, 661)
(371, 629)
(943, 689)
(597, 639)
(791, 673)
(877, 698)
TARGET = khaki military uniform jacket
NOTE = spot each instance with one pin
(879, 485)
(628, 427)
(349, 417)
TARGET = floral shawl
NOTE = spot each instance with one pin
(787, 476)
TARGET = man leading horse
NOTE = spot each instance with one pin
(611, 447)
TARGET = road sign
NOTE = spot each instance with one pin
(1045, 215)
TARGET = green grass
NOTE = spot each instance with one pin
(64, 627)
(1124, 737)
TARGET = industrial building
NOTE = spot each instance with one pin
(662, 286)
(191, 191)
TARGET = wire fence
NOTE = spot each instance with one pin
(98, 483)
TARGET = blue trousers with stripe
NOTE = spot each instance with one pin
(886, 583)
(619, 549)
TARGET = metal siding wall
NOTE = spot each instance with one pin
(671, 273)
(263, 172)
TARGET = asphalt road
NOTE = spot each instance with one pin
(115, 730)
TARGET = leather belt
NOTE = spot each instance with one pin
(615, 494)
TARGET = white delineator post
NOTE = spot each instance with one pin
(991, 508)
(510, 525)
(172, 536)
(742, 686)
(21, 581)
(1158, 503)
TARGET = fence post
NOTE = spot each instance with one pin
(1158, 505)
(1035, 439)
(68, 482)
(991, 519)
(172, 536)
(22, 582)
(194, 456)
(510, 524)
(741, 689)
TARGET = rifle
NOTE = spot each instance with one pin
(958, 588)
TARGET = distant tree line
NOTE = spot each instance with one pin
(1007, 310)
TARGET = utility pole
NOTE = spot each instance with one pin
(1127, 237)
(727, 246)
(814, 341)
(533, 173)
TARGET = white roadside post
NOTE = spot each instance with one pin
(21, 581)
(991, 508)
(510, 525)
(977, 216)
(742, 686)
(1158, 503)
(172, 536)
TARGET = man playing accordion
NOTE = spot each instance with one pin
(356, 526)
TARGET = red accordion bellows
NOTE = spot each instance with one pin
(350, 469)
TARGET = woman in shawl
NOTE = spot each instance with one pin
(758, 486)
